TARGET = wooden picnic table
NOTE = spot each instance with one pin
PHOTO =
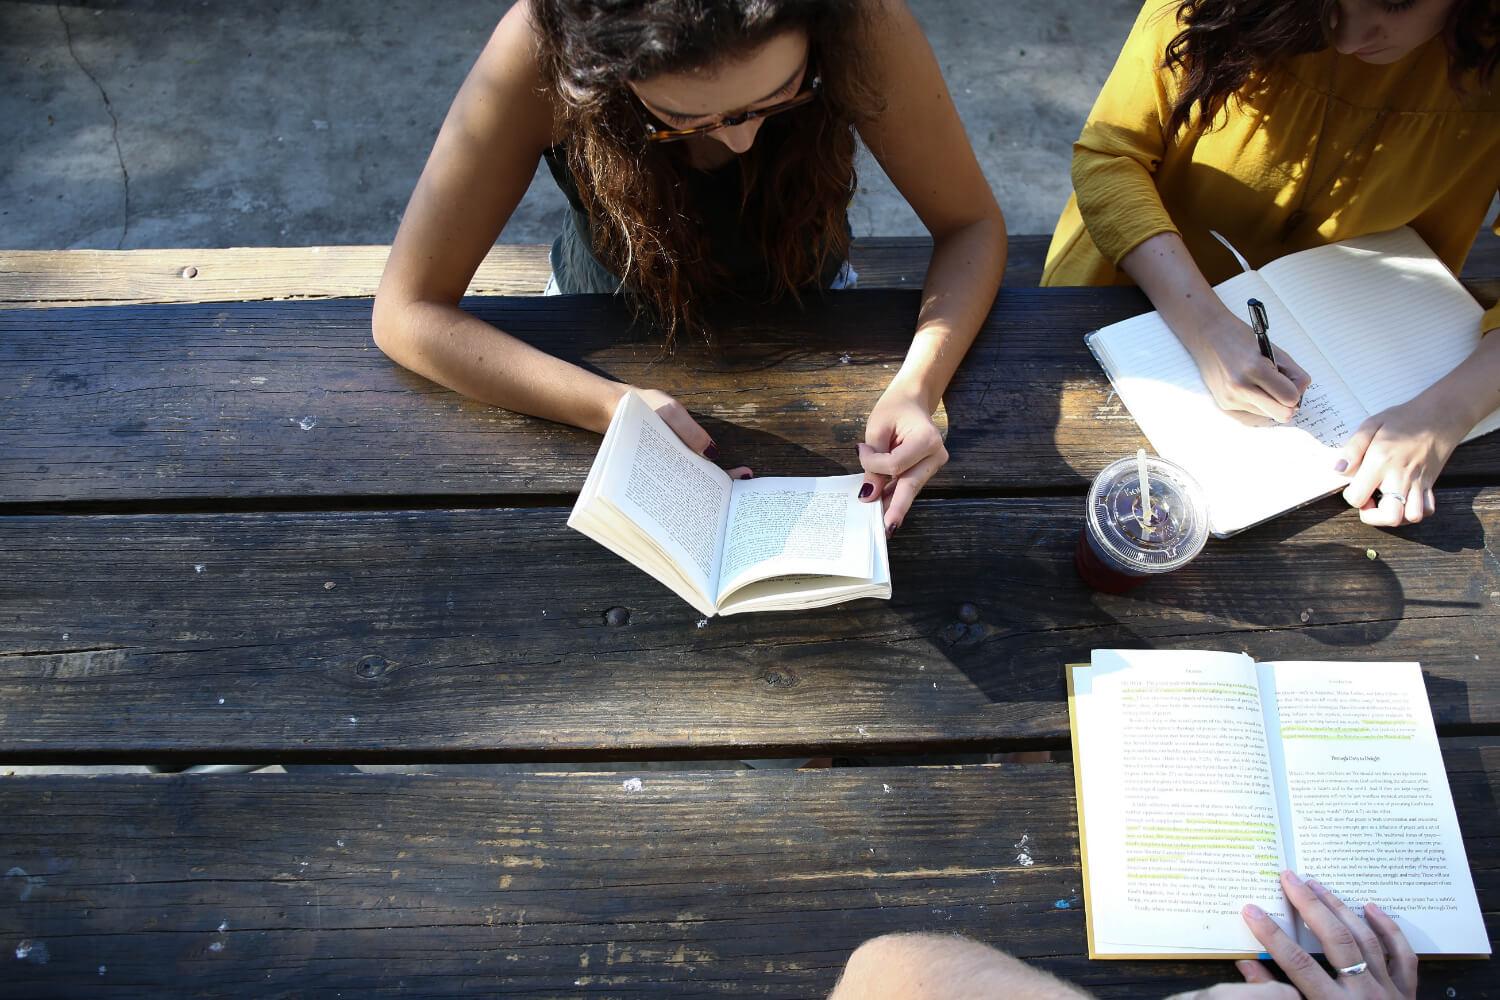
(232, 531)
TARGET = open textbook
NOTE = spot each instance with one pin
(1373, 320)
(727, 546)
(1202, 775)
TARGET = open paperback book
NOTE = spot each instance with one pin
(1373, 320)
(727, 546)
(1201, 775)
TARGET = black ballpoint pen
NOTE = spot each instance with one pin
(1262, 326)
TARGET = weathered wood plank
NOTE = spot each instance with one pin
(483, 634)
(55, 278)
(689, 884)
(293, 399)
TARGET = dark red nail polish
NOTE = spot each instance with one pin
(744, 475)
(711, 452)
(866, 490)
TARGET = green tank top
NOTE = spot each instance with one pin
(716, 196)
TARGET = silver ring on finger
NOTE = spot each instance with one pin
(1357, 969)
(1395, 496)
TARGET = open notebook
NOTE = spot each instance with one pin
(1373, 320)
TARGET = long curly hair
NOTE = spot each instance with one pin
(797, 178)
(1225, 46)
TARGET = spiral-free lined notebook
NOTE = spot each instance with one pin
(1373, 320)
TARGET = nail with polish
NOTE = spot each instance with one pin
(1254, 912)
(711, 452)
(866, 490)
(1341, 465)
(744, 475)
(1292, 877)
(1316, 886)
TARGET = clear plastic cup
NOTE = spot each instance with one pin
(1122, 546)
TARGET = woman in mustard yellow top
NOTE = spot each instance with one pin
(1287, 124)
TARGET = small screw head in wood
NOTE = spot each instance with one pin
(189, 272)
(616, 617)
(1306, 616)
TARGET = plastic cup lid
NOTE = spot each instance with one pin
(1170, 537)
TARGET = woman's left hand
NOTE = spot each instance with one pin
(901, 451)
(1399, 452)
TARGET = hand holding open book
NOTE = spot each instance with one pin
(1202, 776)
(727, 546)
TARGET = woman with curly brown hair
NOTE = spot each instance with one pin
(707, 149)
(1288, 124)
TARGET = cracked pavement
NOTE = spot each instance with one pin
(141, 123)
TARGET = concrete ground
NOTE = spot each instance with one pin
(163, 123)
(171, 123)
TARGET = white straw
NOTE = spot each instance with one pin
(1140, 468)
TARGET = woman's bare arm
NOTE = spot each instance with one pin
(921, 144)
(484, 158)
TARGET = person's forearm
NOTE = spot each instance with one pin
(1166, 272)
(940, 967)
(447, 345)
(962, 279)
(1472, 390)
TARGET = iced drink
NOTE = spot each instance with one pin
(1123, 545)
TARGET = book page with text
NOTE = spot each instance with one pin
(1371, 815)
(807, 590)
(1181, 827)
(1385, 311)
(678, 498)
(782, 526)
(1251, 468)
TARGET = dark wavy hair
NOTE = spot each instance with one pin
(1225, 46)
(798, 176)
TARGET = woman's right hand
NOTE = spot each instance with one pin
(1239, 377)
(1374, 945)
(692, 434)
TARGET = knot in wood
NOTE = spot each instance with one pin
(778, 678)
(968, 614)
(371, 667)
(616, 617)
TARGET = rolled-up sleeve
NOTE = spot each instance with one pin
(1122, 142)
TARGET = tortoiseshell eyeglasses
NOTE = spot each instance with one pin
(656, 133)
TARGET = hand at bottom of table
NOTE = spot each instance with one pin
(1371, 957)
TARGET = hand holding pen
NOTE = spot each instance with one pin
(1260, 323)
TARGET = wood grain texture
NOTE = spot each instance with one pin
(293, 400)
(695, 884)
(483, 634)
(58, 278)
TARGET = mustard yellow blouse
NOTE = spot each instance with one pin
(1432, 162)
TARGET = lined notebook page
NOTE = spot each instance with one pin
(1252, 470)
(1385, 311)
